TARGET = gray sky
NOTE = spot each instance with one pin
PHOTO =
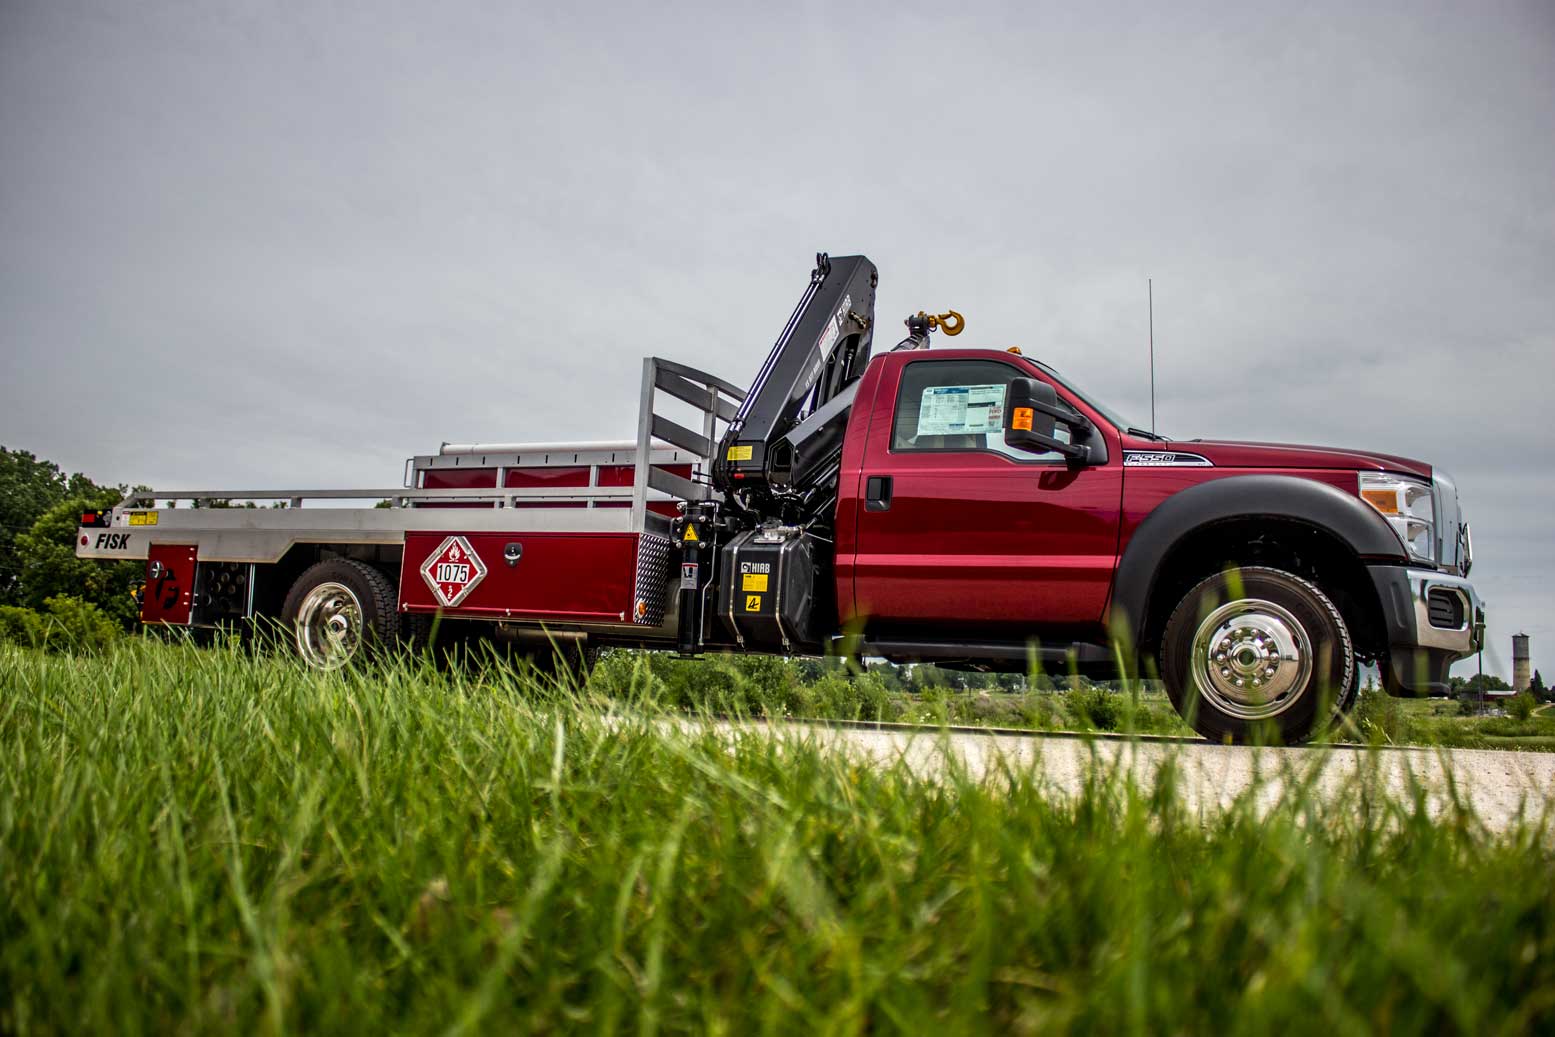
(284, 244)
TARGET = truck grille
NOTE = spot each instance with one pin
(1445, 608)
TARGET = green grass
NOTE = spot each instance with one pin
(196, 841)
(781, 689)
(1440, 722)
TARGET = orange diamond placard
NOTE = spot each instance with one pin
(453, 570)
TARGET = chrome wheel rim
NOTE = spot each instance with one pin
(329, 626)
(1251, 659)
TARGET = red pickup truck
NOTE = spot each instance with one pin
(969, 507)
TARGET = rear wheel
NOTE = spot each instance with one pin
(1254, 650)
(339, 611)
(568, 661)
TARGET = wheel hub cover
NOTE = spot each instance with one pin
(1251, 658)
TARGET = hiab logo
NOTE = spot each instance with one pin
(453, 570)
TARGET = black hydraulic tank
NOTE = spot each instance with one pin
(767, 580)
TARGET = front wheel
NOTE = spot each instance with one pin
(1254, 650)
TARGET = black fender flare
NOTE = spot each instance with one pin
(1283, 497)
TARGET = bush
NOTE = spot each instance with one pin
(47, 566)
(66, 624)
(1096, 708)
(1521, 707)
(1040, 711)
(19, 626)
(1377, 717)
(838, 696)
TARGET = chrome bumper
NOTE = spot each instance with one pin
(1420, 652)
(1464, 639)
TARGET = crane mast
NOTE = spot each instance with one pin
(777, 460)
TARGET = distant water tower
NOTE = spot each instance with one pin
(1520, 674)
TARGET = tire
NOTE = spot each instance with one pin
(569, 662)
(1258, 653)
(339, 612)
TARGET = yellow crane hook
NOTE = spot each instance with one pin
(950, 322)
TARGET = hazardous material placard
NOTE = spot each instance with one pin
(955, 410)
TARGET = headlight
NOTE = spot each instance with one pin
(1407, 505)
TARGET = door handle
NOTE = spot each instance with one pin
(877, 493)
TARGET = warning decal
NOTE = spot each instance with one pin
(753, 582)
(453, 571)
(953, 410)
(753, 603)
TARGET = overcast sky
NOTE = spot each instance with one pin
(292, 244)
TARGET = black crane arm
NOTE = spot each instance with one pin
(807, 379)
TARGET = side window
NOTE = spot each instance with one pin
(955, 405)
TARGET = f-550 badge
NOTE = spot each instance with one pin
(1163, 459)
(453, 570)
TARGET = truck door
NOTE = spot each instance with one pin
(955, 529)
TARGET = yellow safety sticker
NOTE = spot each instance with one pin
(739, 453)
(691, 536)
(753, 603)
(143, 518)
(753, 582)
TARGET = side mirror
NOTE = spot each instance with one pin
(1031, 416)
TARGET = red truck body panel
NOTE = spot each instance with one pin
(973, 537)
(1146, 488)
(562, 577)
(1230, 453)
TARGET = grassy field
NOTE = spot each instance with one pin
(193, 841)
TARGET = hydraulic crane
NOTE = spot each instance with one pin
(777, 464)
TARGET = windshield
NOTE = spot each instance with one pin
(1122, 423)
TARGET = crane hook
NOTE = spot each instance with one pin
(950, 322)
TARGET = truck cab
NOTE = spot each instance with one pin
(960, 539)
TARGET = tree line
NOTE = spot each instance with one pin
(43, 584)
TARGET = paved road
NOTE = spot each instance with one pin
(1497, 783)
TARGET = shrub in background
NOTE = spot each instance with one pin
(1377, 718)
(19, 626)
(1520, 708)
(1095, 707)
(65, 624)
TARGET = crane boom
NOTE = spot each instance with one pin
(809, 375)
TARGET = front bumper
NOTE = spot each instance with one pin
(1433, 620)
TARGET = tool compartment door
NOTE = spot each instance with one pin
(577, 577)
(170, 571)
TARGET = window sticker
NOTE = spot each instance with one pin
(955, 410)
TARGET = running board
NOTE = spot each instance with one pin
(1088, 659)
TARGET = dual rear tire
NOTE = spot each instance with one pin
(339, 611)
(1258, 654)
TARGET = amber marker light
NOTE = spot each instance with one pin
(1385, 501)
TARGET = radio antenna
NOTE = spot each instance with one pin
(1150, 288)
